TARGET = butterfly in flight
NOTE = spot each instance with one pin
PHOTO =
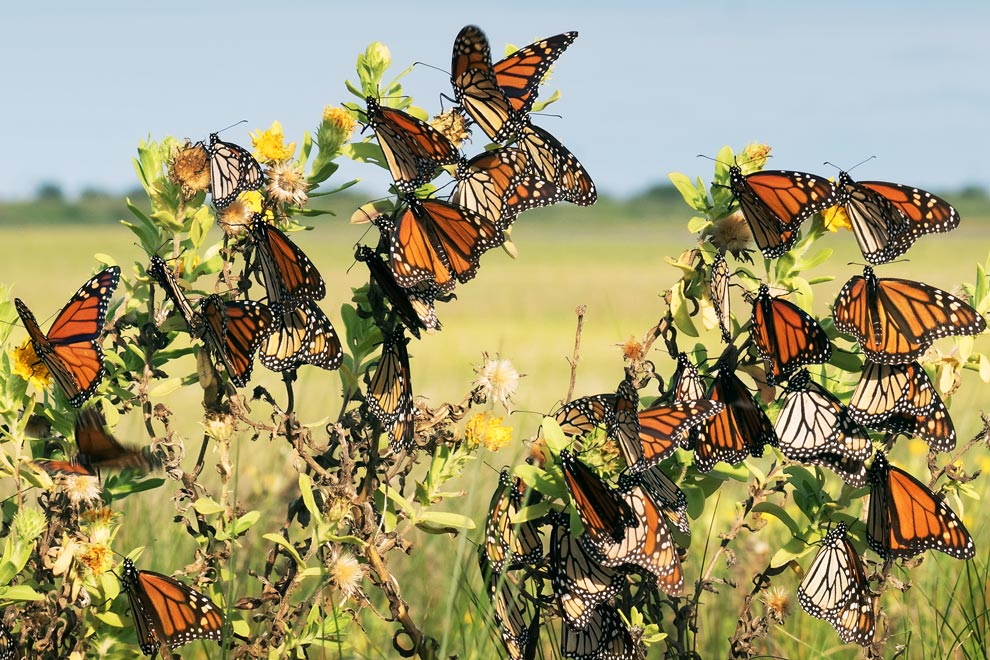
(896, 320)
(906, 518)
(776, 202)
(835, 589)
(477, 90)
(233, 170)
(786, 336)
(71, 349)
(887, 218)
(166, 612)
(498, 184)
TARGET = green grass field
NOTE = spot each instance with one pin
(609, 258)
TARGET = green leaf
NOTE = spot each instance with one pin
(445, 519)
(778, 512)
(693, 197)
(245, 522)
(207, 507)
(698, 224)
(793, 549)
(278, 539)
(555, 438)
(165, 388)
(680, 309)
(111, 619)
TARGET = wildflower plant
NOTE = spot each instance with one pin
(333, 533)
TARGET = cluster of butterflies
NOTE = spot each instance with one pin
(289, 330)
(436, 242)
(628, 528)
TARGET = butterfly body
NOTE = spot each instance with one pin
(786, 336)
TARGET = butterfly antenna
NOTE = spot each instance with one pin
(851, 168)
(243, 121)
(430, 66)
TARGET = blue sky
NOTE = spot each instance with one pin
(646, 86)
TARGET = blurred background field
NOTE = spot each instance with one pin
(610, 258)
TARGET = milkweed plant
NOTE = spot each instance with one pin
(297, 576)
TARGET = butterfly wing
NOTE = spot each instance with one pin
(435, 241)
(71, 349)
(476, 87)
(508, 544)
(623, 425)
(520, 73)
(786, 336)
(605, 637)
(664, 428)
(234, 331)
(99, 449)
(288, 273)
(896, 320)
(232, 171)
(553, 162)
(390, 395)
(413, 149)
(168, 612)
(719, 294)
(301, 334)
(835, 589)
(775, 203)
(604, 512)
(906, 518)
(8, 647)
(579, 582)
(580, 417)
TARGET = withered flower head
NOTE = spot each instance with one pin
(190, 168)
(453, 126)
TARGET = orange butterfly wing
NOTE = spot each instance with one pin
(786, 336)
(520, 73)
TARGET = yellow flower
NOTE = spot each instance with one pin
(497, 436)
(29, 366)
(97, 557)
(269, 145)
(287, 183)
(190, 168)
(486, 429)
(755, 156)
(453, 126)
(835, 219)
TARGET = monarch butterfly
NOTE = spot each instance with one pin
(436, 242)
(604, 512)
(519, 639)
(167, 612)
(888, 218)
(301, 334)
(412, 148)
(99, 449)
(775, 203)
(399, 298)
(813, 426)
(477, 91)
(232, 330)
(580, 417)
(896, 320)
(687, 385)
(497, 184)
(605, 637)
(519, 74)
(390, 396)
(289, 274)
(664, 428)
(835, 588)
(71, 349)
(786, 336)
(232, 171)
(659, 487)
(719, 292)
(623, 425)
(740, 429)
(647, 545)
(579, 582)
(8, 647)
(906, 518)
(900, 398)
(509, 544)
